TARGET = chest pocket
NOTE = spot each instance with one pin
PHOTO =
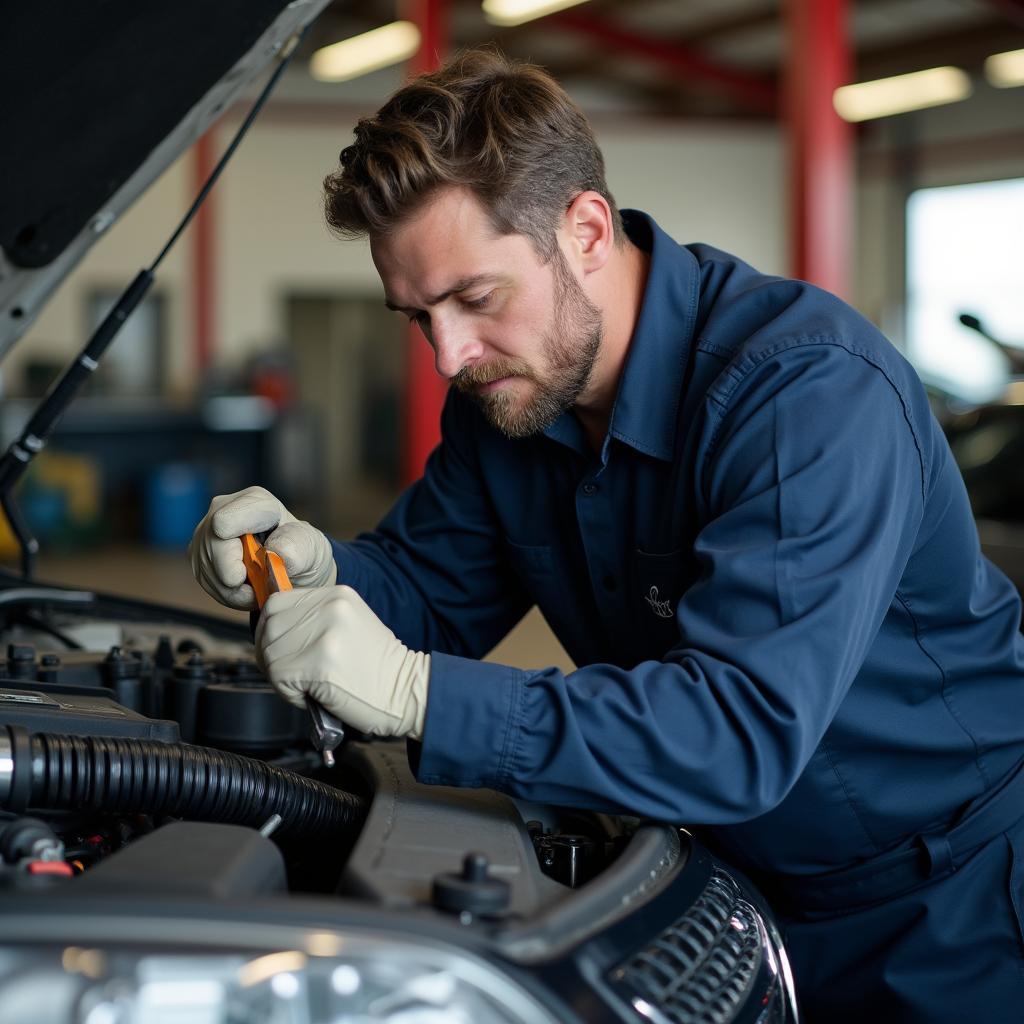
(658, 581)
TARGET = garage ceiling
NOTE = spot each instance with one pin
(707, 58)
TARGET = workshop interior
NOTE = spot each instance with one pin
(177, 322)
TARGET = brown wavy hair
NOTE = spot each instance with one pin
(504, 129)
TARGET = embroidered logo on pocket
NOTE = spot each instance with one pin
(662, 609)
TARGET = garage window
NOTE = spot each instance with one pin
(964, 256)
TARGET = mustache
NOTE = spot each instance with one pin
(471, 377)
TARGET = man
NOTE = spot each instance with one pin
(728, 496)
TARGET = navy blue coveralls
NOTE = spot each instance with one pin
(786, 633)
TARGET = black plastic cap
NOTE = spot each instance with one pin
(473, 891)
(21, 661)
(164, 654)
(117, 666)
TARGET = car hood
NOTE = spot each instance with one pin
(160, 73)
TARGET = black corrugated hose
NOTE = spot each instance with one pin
(58, 772)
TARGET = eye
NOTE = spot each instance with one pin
(481, 303)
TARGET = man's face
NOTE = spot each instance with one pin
(517, 334)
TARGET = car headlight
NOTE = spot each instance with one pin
(355, 980)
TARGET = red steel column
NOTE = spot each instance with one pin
(425, 390)
(820, 143)
(204, 310)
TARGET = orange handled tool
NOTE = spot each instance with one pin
(266, 574)
(264, 570)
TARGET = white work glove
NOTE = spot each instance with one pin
(327, 642)
(216, 551)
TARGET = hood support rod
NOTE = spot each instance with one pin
(44, 420)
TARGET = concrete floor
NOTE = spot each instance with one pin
(167, 578)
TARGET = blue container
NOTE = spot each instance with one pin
(46, 510)
(175, 497)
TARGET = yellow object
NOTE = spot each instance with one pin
(8, 545)
(264, 570)
(76, 477)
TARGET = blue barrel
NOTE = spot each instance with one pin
(175, 497)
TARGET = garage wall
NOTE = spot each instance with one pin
(719, 184)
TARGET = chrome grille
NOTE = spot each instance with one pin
(699, 970)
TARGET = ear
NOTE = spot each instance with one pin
(590, 230)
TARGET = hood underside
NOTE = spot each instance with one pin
(99, 99)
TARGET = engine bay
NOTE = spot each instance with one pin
(118, 725)
(162, 805)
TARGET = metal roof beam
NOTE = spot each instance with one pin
(1012, 10)
(732, 24)
(966, 47)
(682, 62)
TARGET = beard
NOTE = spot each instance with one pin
(571, 342)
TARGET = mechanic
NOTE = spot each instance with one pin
(728, 496)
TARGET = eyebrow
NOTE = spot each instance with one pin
(463, 284)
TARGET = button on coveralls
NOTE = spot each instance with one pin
(786, 633)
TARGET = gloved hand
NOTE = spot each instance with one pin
(216, 551)
(328, 643)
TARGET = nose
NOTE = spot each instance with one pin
(455, 345)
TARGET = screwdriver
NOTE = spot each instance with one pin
(266, 575)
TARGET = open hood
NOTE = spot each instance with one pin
(159, 72)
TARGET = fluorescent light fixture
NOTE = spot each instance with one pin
(371, 51)
(896, 95)
(1005, 70)
(515, 12)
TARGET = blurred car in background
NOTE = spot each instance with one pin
(987, 440)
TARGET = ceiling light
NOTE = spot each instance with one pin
(515, 12)
(887, 96)
(1005, 70)
(384, 46)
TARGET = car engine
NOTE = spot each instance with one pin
(160, 799)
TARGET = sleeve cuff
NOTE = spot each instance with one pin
(473, 723)
(349, 572)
